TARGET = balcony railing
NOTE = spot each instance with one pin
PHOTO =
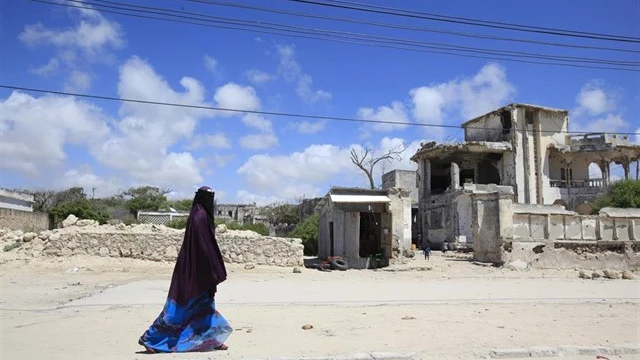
(590, 183)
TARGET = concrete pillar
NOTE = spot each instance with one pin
(626, 166)
(427, 177)
(455, 176)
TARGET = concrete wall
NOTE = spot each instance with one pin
(542, 236)
(400, 208)
(10, 199)
(403, 179)
(24, 220)
(487, 128)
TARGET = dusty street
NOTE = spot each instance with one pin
(455, 310)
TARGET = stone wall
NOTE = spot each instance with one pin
(148, 242)
(24, 220)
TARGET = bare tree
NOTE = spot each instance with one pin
(366, 160)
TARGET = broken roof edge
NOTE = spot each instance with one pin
(359, 199)
(467, 146)
(511, 106)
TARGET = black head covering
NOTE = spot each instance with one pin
(200, 266)
(204, 197)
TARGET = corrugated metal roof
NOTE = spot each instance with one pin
(359, 198)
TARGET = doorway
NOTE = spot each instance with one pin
(370, 226)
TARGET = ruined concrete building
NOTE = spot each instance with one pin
(240, 213)
(520, 150)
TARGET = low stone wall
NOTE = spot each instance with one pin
(23, 220)
(148, 242)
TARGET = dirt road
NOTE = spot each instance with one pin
(101, 308)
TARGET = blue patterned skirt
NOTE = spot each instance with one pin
(196, 326)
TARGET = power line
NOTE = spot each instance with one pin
(406, 27)
(269, 113)
(349, 35)
(468, 21)
(447, 50)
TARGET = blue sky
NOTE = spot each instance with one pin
(52, 141)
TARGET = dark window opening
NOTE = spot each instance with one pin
(467, 176)
(230, 213)
(488, 173)
(440, 178)
(563, 174)
(370, 224)
(505, 119)
(219, 212)
(528, 116)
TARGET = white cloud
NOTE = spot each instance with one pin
(594, 100)
(35, 131)
(258, 77)
(594, 171)
(463, 97)
(211, 64)
(87, 179)
(610, 123)
(288, 176)
(596, 110)
(259, 141)
(222, 160)
(92, 34)
(309, 127)
(141, 145)
(257, 121)
(47, 69)
(216, 141)
(291, 71)
(246, 197)
(91, 39)
(394, 113)
(305, 91)
(236, 97)
(78, 81)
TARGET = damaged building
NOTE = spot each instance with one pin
(523, 151)
(365, 227)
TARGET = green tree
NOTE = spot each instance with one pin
(145, 198)
(308, 232)
(621, 194)
(282, 214)
(81, 207)
(181, 205)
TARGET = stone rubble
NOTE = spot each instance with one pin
(147, 242)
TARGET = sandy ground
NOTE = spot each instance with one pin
(441, 309)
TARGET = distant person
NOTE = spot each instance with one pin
(445, 248)
(189, 320)
(427, 251)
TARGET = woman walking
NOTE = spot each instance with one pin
(189, 320)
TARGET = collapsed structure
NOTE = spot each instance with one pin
(521, 151)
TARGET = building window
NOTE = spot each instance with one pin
(528, 116)
(563, 174)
